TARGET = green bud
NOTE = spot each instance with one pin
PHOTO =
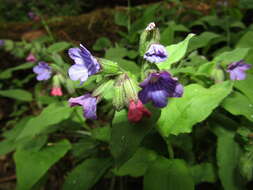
(103, 87)
(149, 36)
(218, 75)
(70, 86)
(56, 81)
(130, 89)
(109, 67)
(119, 95)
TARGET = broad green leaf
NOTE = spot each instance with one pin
(167, 174)
(101, 44)
(126, 137)
(232, 56)
(201, 40)
(116, 53)
(86, 174)
(238, 104)
(138, 164)
(227, 154)
(121, 19)
(32, 165)
(246, 40)
(204, 172)
(51, 115)
(196, 105)
(57, 47)
(102, 133)
(245, 86)
(17, 94)
(176, 52)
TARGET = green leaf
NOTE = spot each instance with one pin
(180, 114)
(167, 174)
(245, 86)
(51, 115)
(102, 133)
(58, 47)
(246, 163)
(204, 172)
(138, 164)
(8, 72)
(227, 154)
(176, 52)
(232, 56)
(126, 137)
(115, 53)
(201, 40)
(238, 104)
(101, 43)
(246, 40)
(32, 165)
(85, 175)
(121, 19)
(17, 94)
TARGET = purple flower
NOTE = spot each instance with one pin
(237, 70)
(89, 104)
(156, 53)
(85, 64)
(1, 43)
(43, 71)
(157, 87)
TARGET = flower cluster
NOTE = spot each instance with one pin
(156, 88)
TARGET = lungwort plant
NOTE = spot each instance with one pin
(173, 117)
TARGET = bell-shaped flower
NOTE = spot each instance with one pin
(158, 87)
(43, 71)
(136, 111)
(31, 58)
(89, 104)
(85, 64)
(56, 91)
(237, 70)
(156, 53)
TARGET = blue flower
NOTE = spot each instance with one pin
(43, 71)
(156, 53)
(237, 70)
(157, 87)
(85, 64)
(89, 104)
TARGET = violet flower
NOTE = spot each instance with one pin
(156, 53)
(237, 70)
(1, 43)
(157, 87)
(89, 104)
(85, 64)
(43, 71)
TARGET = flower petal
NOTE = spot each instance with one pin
(78, 72)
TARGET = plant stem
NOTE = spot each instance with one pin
(129, 16)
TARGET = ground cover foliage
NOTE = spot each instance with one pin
(167, 106)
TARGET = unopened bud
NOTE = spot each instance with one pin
(109, 67)
(102, 88)
(119, 95)
(149, 36)
(218, 75)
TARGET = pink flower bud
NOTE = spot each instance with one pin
(56, 91)
(31, 58)
(137, 111)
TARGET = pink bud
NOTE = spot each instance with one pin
(56, 91)
(137, 111)
(31, 58)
